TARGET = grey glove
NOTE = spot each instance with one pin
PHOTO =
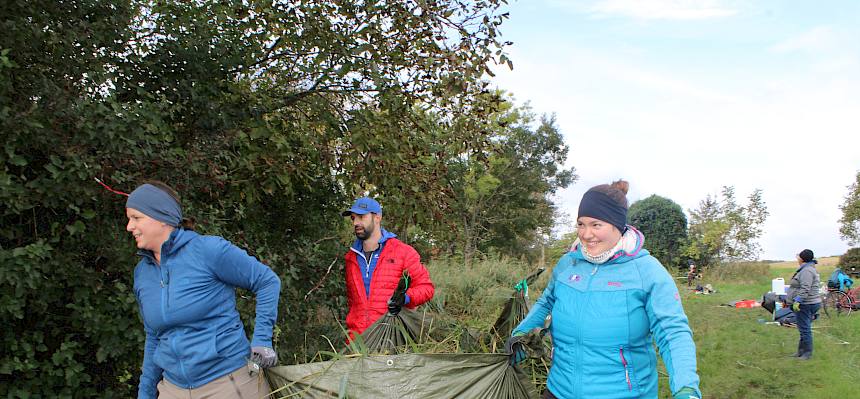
(264, 357)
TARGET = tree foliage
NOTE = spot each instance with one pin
(849, 224)
(504, 202)
(721, 230)
(664, 225)
(850, 258)
(268, 118)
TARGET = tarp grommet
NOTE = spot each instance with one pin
(389, 362)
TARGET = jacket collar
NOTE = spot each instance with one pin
(632, 247)
(356, 245)
(177, 239)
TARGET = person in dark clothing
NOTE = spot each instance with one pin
(804, 298)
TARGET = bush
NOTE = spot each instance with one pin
(850, 258)
(664, 225)
(850, 262)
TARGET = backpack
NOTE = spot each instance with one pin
(839, 280)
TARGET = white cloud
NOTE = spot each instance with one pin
(775, 114)
(683, 136)
(664, 9)
(816, 40)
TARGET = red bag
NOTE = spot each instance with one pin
(749, 303)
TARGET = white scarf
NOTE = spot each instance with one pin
(628, 243)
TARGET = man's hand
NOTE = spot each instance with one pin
(795, 306)
(516, 349)
(686, 393)
(395, 303)
(264, 357)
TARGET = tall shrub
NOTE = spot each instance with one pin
(664, 225)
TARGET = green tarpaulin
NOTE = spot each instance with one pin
(516, 308)
(392, 333)
(405, 376)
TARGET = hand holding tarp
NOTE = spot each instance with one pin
(686, 393)
(396, 302)
(264, 357)
(795, 306)
(516, 349)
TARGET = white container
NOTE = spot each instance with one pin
(778, 286)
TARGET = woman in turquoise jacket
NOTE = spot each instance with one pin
(609, 300)
(185, 286)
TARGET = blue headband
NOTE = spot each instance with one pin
(155, 203)
(598, 205)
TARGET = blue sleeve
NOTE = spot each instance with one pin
(234, 266)
(670, 327)
(150, 373)
(542, 308)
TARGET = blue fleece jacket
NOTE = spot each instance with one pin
(188, 305)
(604, 318)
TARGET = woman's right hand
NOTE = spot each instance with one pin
(516, 349)
(264, 357)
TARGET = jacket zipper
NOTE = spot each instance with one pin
(626, 372)
(577, 389)
(366, 273)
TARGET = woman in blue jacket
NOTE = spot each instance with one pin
(185, 287)
(609, 299)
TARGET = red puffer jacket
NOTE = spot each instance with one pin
(394, 258)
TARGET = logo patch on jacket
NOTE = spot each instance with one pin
(575, 278)
(614, 284)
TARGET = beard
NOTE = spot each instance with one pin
(364, 233)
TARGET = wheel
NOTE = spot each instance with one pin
(837, 303)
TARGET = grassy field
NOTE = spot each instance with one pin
(740, 356)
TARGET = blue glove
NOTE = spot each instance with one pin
(264, 357)
(687, 393)
(795, 306)
(516, 349)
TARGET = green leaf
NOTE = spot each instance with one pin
(76, 228)
(18, 160)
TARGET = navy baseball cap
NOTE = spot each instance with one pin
(363, 205)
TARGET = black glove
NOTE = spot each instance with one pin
(516, 349)
(396, 302)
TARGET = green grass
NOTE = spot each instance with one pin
(739, 356)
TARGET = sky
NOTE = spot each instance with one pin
(681, 98)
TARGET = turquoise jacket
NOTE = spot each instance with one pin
(605, 319)
(188, 305)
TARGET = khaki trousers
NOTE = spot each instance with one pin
(239, 384)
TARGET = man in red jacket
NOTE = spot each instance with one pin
(374, 265)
